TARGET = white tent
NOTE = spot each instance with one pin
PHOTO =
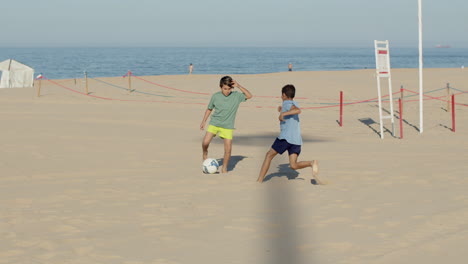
(16, 74)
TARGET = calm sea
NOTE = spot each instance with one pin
(61, 63)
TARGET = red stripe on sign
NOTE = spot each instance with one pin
(382, 52)
(383, 72)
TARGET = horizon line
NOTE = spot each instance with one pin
(211, 46)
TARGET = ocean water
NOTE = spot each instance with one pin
(62, 63)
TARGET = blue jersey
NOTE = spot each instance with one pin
(290, 127)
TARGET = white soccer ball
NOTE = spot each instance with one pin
(210, 166)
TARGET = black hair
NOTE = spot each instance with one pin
(289, 90)
(226, 80)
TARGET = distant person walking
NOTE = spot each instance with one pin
(290, 67)
(190, 68)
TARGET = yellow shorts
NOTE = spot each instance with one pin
(223, 132)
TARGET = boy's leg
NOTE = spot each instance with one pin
(295, 165)
(266, 164)
(206, 143)
(227, 154)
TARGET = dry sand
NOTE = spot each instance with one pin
(90, 180)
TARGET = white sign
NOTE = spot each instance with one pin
(382, 58)
(383, 64)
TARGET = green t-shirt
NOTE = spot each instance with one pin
(225, 108)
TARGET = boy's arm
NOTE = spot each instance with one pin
(293, 111)
(205, 117)
(248, 95)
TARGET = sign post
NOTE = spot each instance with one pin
(382, 62)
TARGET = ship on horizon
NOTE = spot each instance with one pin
(440, 46)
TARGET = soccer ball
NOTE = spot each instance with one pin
(210, 166)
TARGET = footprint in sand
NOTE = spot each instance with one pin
(82, 251)
(67, 229)
(10, 253)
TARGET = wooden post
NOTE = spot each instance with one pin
(39, 87)
(453, 113)
(86, 82)
(341, 108)
(448, 97)
(400, 103)
(129, 73)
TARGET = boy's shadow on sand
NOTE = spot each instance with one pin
(283, 170)
(232, 162)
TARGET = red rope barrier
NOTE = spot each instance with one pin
(185, 91)
(434, 98)
(341, 105)
(75, 91)
(358, 102)
(167, 87)
(121, 100)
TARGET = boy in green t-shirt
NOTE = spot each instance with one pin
(225, 103)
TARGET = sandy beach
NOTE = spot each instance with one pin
(115, 176)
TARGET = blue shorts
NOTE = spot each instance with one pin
(281, 145)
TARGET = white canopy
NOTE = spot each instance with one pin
(16, 74)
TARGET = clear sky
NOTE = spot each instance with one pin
(315, 23)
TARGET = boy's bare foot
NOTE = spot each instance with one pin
(223, 170)
(315, 171)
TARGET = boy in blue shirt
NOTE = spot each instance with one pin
(290, 136)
